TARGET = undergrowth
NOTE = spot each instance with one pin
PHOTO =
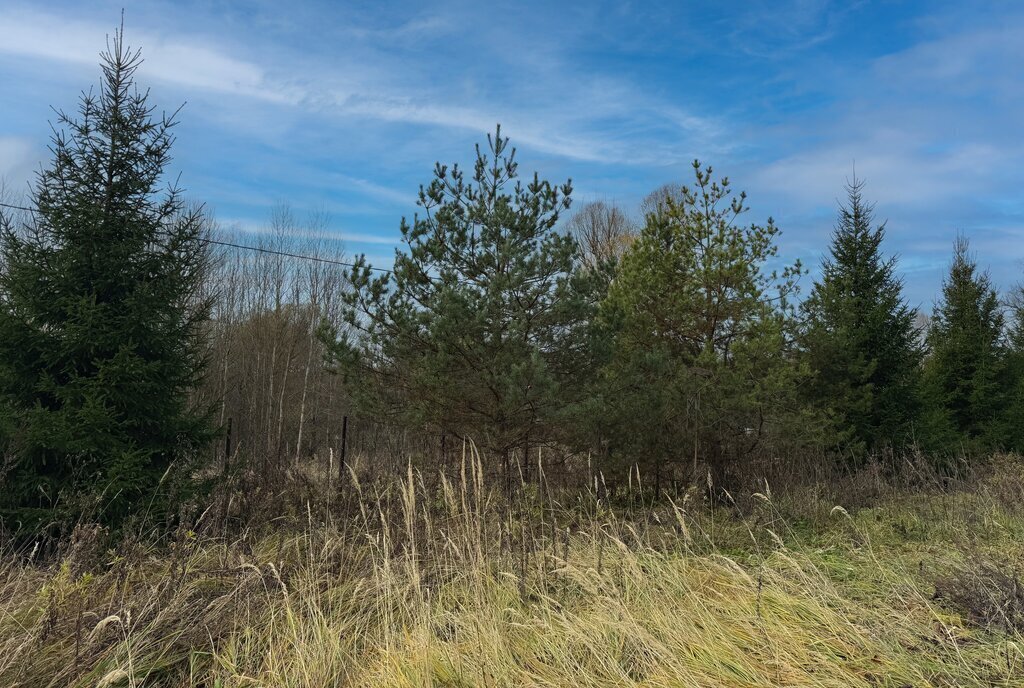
(450, 585)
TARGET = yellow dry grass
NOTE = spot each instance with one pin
(452, 589)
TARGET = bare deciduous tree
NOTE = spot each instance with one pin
(603, 232)
(656, 201)
(266, 371)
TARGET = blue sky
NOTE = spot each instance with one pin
(344, 107)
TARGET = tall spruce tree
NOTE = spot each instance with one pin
(965, 372)
(476, 331)
(859, 335)
(100, 318)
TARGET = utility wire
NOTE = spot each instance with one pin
(289, 255)
(17, 207)
(257, 249)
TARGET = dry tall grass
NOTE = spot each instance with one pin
(454, 587)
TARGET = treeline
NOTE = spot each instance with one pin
(142, 364)
(678, 347)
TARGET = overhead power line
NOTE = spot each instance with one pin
(285, 254)
(258, 249)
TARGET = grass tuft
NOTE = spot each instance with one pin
(455, 587)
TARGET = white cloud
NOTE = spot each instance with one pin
(379, 191)
(558, 121)
(768, 28)
(899, 171)
(971, 58)
(934, 125)
(18, 157)
(172, 59)
(260, 228)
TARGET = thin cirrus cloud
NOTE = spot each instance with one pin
(261, 228)
(555, 126)
(346, 105)
(170, 59)
(900, 174)
(932, 127)
(17, 157)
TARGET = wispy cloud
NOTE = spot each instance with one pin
(770, 29)
(17, 158)
(901, 171)
(260, 228)
(346, 106)
(173, 59)
(559, 126)
(974, 59)
(375, 190)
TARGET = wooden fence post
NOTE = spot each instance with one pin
(344, 451)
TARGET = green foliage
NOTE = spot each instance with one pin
(700, 366)
(860, 339)
(1012, 417)
(674, 348)
(477, 331)
(100, 316)
(965, 372)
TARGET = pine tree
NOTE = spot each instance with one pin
(859, 336)
(701, 368)
(475, 332)
(964, 374)
(100, 318)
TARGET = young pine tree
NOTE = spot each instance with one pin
(474, 334)
(701, 368)
(965, 372)
(859, 336)
(100, 319)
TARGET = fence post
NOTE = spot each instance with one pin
(344, 451)
(227, 446)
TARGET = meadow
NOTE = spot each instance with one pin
(230, 453)
(430, 580)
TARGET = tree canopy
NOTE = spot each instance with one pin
(475, 331)
(964, 374)
(860, 338)
(701, 367)
(100, 318)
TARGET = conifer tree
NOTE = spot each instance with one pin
(964, 374)
(100, 317)
(475, 332)
(701, 369)
(859, 335)
(1012, 417)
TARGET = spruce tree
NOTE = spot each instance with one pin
(475, 333)
(1012, 417)
(859, 335)
(100, 319)
(965, 372)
